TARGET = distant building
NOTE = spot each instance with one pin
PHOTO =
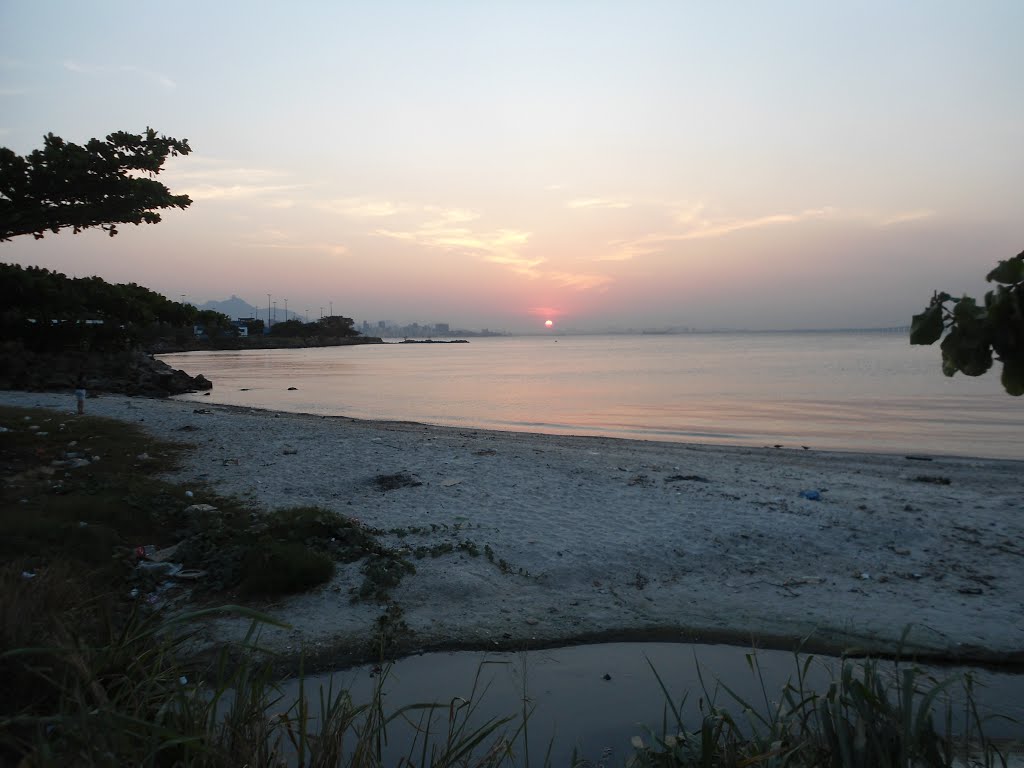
(441, 328)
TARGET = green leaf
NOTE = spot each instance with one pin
(966, 350)
(926, 328)
(1008, 271)
(1013, 377)
(967, 313)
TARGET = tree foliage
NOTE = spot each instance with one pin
(103, 184)
(334, 326)
(978, 334)
(46, 309)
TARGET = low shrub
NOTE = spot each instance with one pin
(284, 567)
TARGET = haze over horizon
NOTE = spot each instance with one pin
(793, 165)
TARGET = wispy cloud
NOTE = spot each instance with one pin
(203, 178)
(906, 217)
(91, 69)
(501, 246)
(362, 208)
(694, 226)
(235, 191)
(498, 247)
(597, 202)
(276, 239)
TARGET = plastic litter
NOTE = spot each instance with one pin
(27, 575)
(812, 495)
(159, 569)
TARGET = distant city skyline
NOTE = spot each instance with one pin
(599, 165)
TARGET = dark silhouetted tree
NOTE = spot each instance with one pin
(103, 184)
(977, 334)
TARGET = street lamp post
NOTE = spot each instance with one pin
(332, 308)
(268, 311)
(275, 311)
(286, 310)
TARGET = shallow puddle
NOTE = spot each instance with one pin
(596, 698)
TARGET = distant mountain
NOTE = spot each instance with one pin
(233, 307)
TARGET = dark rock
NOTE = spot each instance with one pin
(124, 371)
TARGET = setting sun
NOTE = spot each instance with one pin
(549, 323)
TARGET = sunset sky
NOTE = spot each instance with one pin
(485, 164)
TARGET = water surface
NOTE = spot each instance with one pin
(840, 391)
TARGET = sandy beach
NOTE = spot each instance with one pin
(606, 538)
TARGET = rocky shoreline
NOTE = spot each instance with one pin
(257, 342)
(127, 372)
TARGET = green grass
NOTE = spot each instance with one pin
(867, 717)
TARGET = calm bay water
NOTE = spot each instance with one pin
(839, 391)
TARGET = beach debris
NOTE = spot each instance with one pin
(811, 495)
(202, 410)
(290, 451)
(188, 428)
(244, 389)
(919, 458)
(639, 480)
(188, 494)
(532, 620)
(293, 389)
(799, 580)
(230, 462)
(865, 576)
(143, 456)
(397, 480)
(450, 482)
(162, 555)
(485, 452)
(26, 575)
(687, 478)
(899, 550)
(189, 574)
(606, 676)
(197, 509)
(936, 479)
(971, 591)
(158, 569)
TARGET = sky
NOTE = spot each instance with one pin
(492, 164)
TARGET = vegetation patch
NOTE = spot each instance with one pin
(934, 479)
(396, 481)
(283, 567)
(382, 573)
